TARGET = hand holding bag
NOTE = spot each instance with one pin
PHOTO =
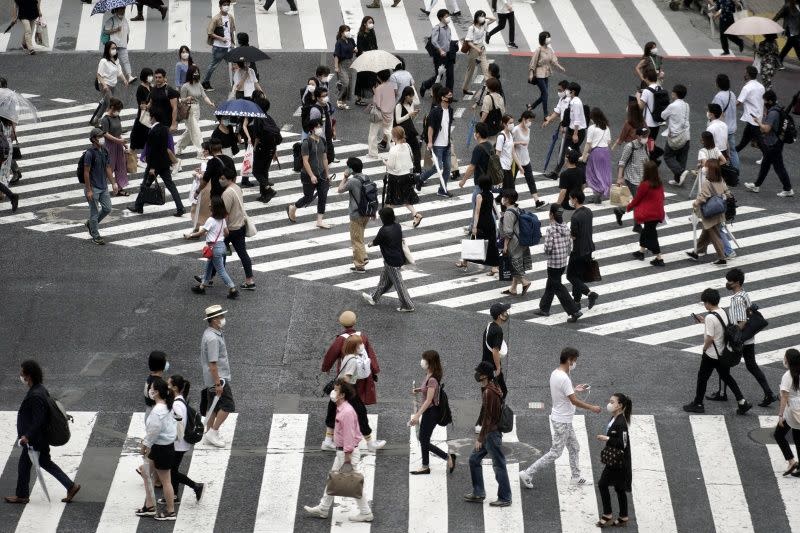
(153, 194)
(620, 196)
(505, 273)
(247, 162)
(474, 249)
(612, 457)
(345, 482)
(716, 205)
(375, 114)
(592, 273)
(407, 253)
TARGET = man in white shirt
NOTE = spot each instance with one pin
(726, 99)
(751, 100)
(715, 322)
(676, 114)
(558, 112)
(221, 33)
(576, 129)
(717, 127)
(564, 403)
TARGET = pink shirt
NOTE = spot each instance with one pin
(384, 100)
(346, 433)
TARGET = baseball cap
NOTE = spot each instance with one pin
(498, 309)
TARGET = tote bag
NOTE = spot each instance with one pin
(474, 249)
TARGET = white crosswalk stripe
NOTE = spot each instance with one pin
(401, 28)
(431, 499)
(637, 302)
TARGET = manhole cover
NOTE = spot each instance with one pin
(762, 436)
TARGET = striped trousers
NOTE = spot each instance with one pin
(391, 276)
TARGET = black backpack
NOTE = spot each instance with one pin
(445, 414)
(506, 422)
(81, 164)
(494, 119)
(733, 344)
(368, 199)
(305, 115)
(266, 131)
(787, 131)
(297, 157)
(193, 428)
(56, 432)
(660, 102)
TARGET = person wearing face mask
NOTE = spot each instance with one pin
(723, 10)
(618, 475)
(226, 135)
(771, 146)
(718, 129)
(494, 348)
(572, 178)
(489, 441)
(630, 168)
(108, 73)
(789, 411)
(650, 59)
(244, 80)
(215, 230)
(751, 100)
(597, 155)
(557, 245)
(676, 149)
(384, 101)
(182, 66)
(390, 240)
(564, 402)
(648, 208)
(437, 137)
(216, 375)
(521, 134)
(366, 40)
(158, 365)
(346, 438)
(442, 52)
(560, 112)
(519, 255)
(192, 93)
(116, 27)
(115, 145)
(97, 172)
(314, 175)
(582, 248)
(475, 39)
(221, 32)
(321, 109)
(399, 183)
(352, 183)
(429, 414)
(405, 112)
(140, 130)
(31, 421)
(540, 69)
(343, 53)
(179, 387)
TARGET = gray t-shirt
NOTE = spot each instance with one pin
(213, 350)
(353, 187)
(317, 154)
(773, 118)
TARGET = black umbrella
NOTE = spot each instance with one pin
(246, 53)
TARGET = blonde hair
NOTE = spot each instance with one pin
(399, 133)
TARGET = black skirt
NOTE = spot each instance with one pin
(400, 190)
(162, 455)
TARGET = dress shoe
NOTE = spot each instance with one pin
(14, 202)
(133, 209)
(15, 499)
(179, 213)
(717, 397)
(767, 401)
(71, 493)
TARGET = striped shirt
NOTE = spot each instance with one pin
(737, 312)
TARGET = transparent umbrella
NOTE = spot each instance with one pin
(17, 108)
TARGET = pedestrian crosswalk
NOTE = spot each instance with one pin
(290, 471)
(637, 302)
(577, 26)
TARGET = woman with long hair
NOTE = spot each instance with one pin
(634, 120)
(365, 41)
(215, 230)
(650, 60)
(116, 146)
(192, 93)
(648, 211)
(618, 473)
(405, 112)
(541, 68)
(789, 411)
(429, 414)
(109, 72)
(179, 387)
(182, 66)
(597, 155)
(713, 185)
(476, 40)
(141, 127)
(522, 157)
(400, 176)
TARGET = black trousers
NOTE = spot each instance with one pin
(773, 157)
(166, 176)
(568, 143)
(358, 407)
(605, 494)
(449, 66)
(262, 158)
(707, 367)
(648, 238)
(783, 444)
(554, 287)
(320, 190)
(750, 133)
(502, 18)
(5, 190)
(749, 356)
(792, 41)
(576, 270)
(426, 426)
(176, 476)
(45, 463)
(724, 24)
(657, 152)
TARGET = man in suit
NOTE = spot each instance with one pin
(32, 418)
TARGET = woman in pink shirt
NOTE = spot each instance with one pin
(346, 437)
(384, 100)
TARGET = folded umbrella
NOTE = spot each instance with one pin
(34, 457)
(375, 61)
(250, 54)
(104, 6)
(754, 26)
(10, 25)
(239, 108)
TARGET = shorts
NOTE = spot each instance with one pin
(225, 402)
(162, 455)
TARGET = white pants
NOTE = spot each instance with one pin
(326, 501)
(192, 134)
(377, 132)
(124, 61)
(563, 435)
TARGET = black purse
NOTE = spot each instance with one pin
(16, 154)
(592, 273)
(612, 457)
(153, 193)
(331, 384)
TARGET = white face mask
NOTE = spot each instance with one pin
(548, 40)
(318, 131)
(653, 51)
(113, 52)
(185, 55)
(573, 365)
(325, 99)
(225, 9)
(610, 407)
(481, 21)
(347, 35)
(166, 367)
(424, 364)
(333, 396)
(22, 379)
(562, 94)
(446, 20)
(222, 323)
(152, 394)
(510, 125)
(370, 25)
(311, 88)
(149, 79)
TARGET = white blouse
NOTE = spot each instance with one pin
(476, 34)
(400, 161)
(598, 138)
(109, 72)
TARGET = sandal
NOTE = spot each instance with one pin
(146, 511)
(123, 192)
(605, 521)
(791, 469)
(417, 219)
(620, 522)
(462, 264)
(508, 292)
(526, 287)
(491, 272)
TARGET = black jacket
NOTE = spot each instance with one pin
(157, 139)
(435, 122)
(618, 437)
(390, 239)
(581, 229)
(33, 415)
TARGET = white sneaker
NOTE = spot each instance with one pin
(675, 183)
(751, 187)
(684, 175)
(525, 479)
(213, 438)
(375, 445)
(290, 13)
(361, 517)
(328, 445)
(368, 298)
(731, 255)
(316, 512)
(580, 481)
(786, 194)
(477, 429)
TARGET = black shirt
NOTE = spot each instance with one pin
(480, 159)
(228, 140)
(571, 179)
(214, 170)
(27, 9)
(492, 338)
(160, 99)
(390, 239)
(157, 146)
(581, 229)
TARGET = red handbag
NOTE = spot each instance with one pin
(208, 250)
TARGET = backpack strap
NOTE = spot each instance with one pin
(714, 343)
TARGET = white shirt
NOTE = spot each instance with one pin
(649, 102)
(793, 404)
(752, 99)
(719, 130)
(561, 106)
(179, 411)
(215, 230)
(120, 38)
(443, 139)
(109, 71)
(560, 391)
(716, 329)
(677, 116)
(727, 102)
(400, 161)
(504, 7)
(704, 155)
(523, 156)
(476, 34)
(249, 85)
(598, 138)
(577, 120)
(505, 145)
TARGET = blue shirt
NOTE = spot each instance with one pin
(180, 73)
(344, 48)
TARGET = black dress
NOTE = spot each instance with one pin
(487, 229)
(140, 131)
(228, 140)
(619, 477)
(365, 81)
(412, 136)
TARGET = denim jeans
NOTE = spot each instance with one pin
(492, 446)
(734, 155)
(218, 54)
(217, 262)
(442, 155)
(726, 242)
(101, 197)
(543, 85)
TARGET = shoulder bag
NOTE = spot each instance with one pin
(503, 346)
(612, 457)
(208, 251)
(345, 482)
(678, 141)
(375, 114)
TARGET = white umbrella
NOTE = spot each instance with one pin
(34, 457)
(375, 61)
(754, 26)
(17, 108)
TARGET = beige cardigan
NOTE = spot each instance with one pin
(709, 189)
(542, 62)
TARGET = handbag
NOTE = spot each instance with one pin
(153, 194)
(247, 162)
(345, 482)
(611, 456)
(714, 206)
(592, 273)
(42, 38)
(131, 164)
(375, 114)
(465, 47)
(730, 174)
(474, 249)
(16, 154)
(504, 271)
(407, 253)
(208, 251)
(183, 110)
(620, 195)
(144, 118)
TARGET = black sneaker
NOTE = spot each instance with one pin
(197, 289)
(593, 296)
(539, 204)
(233, 294)
(198, 490)
(248, 183)
(717, 397)
(767, 401)
(513, 45)
(574, 317)
(539, 312)
(207, 86)
(637, 228)
(720, 262)
(444, 194)
(98, 240)
(743, 407)
(618, 214)
(14, 202)
(551, 174)
(199, 279)
(657, 262)
(248, 286)
(638, 255)
(694, 408)
(358, 270)
(693, 256)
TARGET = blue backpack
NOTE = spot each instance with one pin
(529, 228)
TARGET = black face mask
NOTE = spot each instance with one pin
(729, 286)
